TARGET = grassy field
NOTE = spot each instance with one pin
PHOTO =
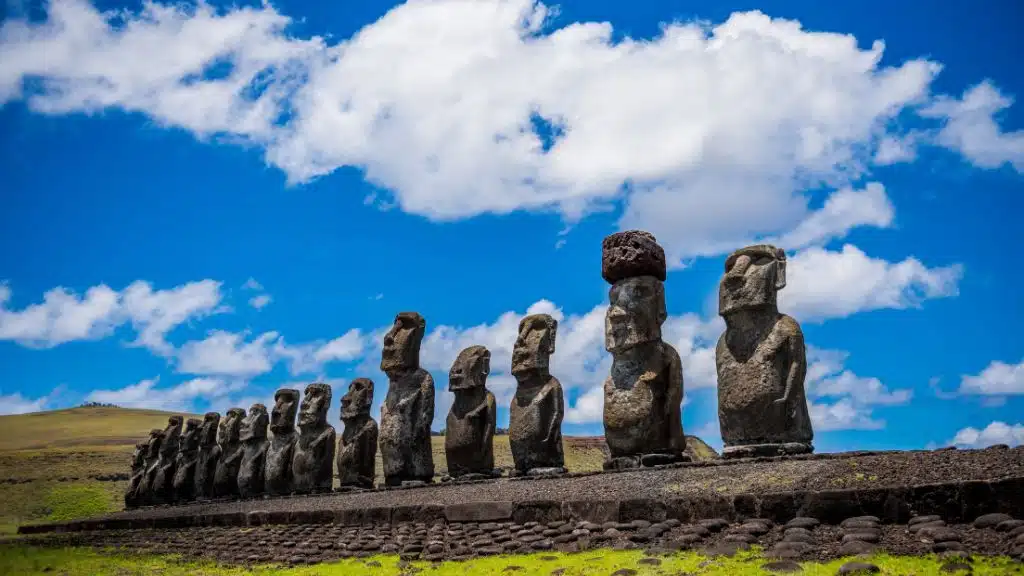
(82, 562)
(57, 465)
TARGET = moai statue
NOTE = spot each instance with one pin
(253, 436)
(469, 429)
(225, 479)
(535, 418)
(643, 395)
(278, 471)
(131, 495)
(357, 447)
(163, 481)
(761, 360)
(408, 409)
(313, 457)
(209, 455)
(184, 486)
(144, 494)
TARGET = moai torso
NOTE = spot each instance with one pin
(185, 466)
(644, 392)
(253, 436)
(535, 416)
(163, 480)
(408, 409)
(225, 479)
(278, 467)
(144, 494)
(469, 429)
(357, 447)
(313, 458)
(760, 359)
(131, 494)
(208, 456)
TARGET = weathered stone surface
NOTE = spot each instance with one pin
(357, 447)
(761, 360)
(479, 511)
(630, 254)
(131, 494)
(858, 568)
(408, 408)
(469, 431)
(225, 481)
(252, 468)
(991, 520)
(207, 457)
(278, 469)
(162, 487)
(184, 483)
(643, 394)
(535, 416)
(313, 457)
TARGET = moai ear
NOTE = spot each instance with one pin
(780, 269)
(552, 332)
(486, 362)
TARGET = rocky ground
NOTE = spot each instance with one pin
(797, 540)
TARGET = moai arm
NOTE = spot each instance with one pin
(558, 409)
(490, 412)
(796, 356)
(427, 402)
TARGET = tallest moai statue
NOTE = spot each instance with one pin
(643, 395)
(760, 359)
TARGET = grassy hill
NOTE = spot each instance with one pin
(65, 464)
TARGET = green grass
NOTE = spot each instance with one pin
(27, 561)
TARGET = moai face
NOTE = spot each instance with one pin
(230, 426)
(470, 369)
(402, 343)
(635, 313)
(357, 401)
(315, 402)
(139, 455)
(189, 440)
(208, 431)
(156, 439)
(535, 344)
(254, 426)
(286, 406)
(753, 277)
(171, 436)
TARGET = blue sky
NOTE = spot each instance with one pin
(201, 204)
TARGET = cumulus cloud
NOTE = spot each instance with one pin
(310, 357)
(18, 404)
(995, 433)
(260, 301)
(181, 397)
(998, 378)
(710, 134)
(64, 316)
(839, 399)
(227, 353)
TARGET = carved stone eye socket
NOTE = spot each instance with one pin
(762, 261)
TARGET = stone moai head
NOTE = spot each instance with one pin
(402, 343)
(357, 401)
(753, 277)
(635, 313)
(172, 434)
(316, 400)
(535, 344)
(286, 406)
(208, 431)
(189, 440)
(254, 426)
(230, 426)
(155, 442)
(139, 455)
(470, 369)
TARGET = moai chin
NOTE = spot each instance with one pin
(131, 494)
(278, 467)
(313, 457)
(469, 429)
(225, 479)
(408, 409)
(185, 466)
(209, 455)
(144, 494)
(760, 359)
(163, 480)
(253, 436)
(357, 447)
(535, 417)
(643, 394)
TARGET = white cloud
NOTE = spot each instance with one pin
(998, 378)
(994, 433)
(826, 284)
(228, 353)
(181, 397)
(252, 284)
(897, 149)
(853, 397)
(18, 404)
(310, 357)
(843, 210)
(155, 313)
(747, 115)
(260, 301)
(842, 415)
(970, 127)
(61, 317)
